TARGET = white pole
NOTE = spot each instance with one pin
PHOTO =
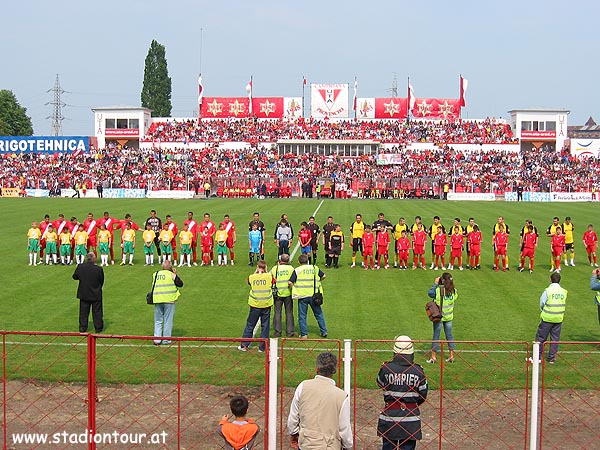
(347, 366)
(535, 386)
(273, 365)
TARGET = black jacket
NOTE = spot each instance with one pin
(91, 280)
(404, 388)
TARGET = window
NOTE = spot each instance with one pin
(551, 125)
(122, 123)
(526, 125)
(109, 123)
(134, 123)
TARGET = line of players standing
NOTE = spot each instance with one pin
(373, 243)
(62, 240)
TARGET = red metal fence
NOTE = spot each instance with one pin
(570, 397)
(62, 385)
(123, 389)
(478, 401)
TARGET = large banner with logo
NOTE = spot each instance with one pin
(436, 108)
(262, 107)
(292, 107)
(224, 107)
(397, 108)
(391, 108)
(329, 100)
(365, 108)
(44, 144)
(585, 148)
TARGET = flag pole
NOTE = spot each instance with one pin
(408, 102)
(250, 109)
(355, 99)
(200, 76)
(303, 102)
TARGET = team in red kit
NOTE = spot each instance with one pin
(460, 248)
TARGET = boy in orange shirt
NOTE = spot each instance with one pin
(241, 433)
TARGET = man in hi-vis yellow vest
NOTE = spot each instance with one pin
(260, 300)
(553, 303)
(164, 295)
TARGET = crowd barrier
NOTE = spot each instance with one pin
(81, 390)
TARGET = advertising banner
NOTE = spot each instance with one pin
(224, 107)
(585, 148)
(365, 108)
(391, 108)
(108, 193)
(10, 192)
(44, 144)
(37, 192)
(550, 197)
(397, 108)
(329, 100)
(525, 134)
(570, 196)
(292, 107)
(436, 108)
(170, 194)
(122, 132)
(267, 107)
(472, 196)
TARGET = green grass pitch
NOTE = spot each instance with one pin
(359, 304)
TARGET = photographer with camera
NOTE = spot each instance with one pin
(595, 286)
(260, 300)
(553, 302)
(164, 295)
(282, 296)
(444, 294)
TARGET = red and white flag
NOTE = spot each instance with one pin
(463, 90)
(355, 92)
(200, 89)
(411, 97)
(249, 91)
(304, 81)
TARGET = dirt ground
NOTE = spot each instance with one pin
(490, 420)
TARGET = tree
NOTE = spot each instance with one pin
(13, 118)
(156, 90)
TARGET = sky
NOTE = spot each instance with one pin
(515, 54)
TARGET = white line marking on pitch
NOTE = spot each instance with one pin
(314, 214)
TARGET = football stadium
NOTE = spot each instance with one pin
(166, 267)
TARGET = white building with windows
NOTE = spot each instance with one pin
(122, 125)
(540, 128)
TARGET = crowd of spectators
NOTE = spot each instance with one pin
(221, 165)
(488, 131)
(182, 168)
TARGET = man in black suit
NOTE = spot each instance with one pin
(89, 293)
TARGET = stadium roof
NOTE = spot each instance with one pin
(590, 130)
(544, 110)
(120, 108)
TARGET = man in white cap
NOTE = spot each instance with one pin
(404, 388)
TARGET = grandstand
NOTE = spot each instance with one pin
(254, 157)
